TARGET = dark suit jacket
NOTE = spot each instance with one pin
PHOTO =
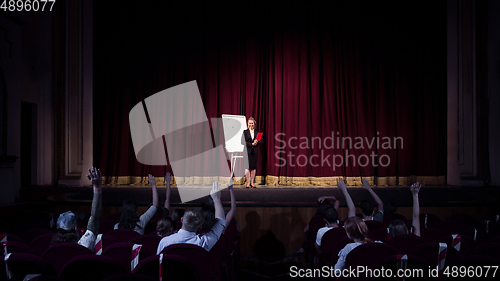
(247, 138)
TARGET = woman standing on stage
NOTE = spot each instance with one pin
(250, 137)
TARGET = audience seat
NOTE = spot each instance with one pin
(17, 247)
(173, 268)
(467, 244)
(90, 267)
(406, 243)
(58, 254)
(122, 253)
(429, 251)
(41, 243)
(479, 235)
(339, 245)
(418, 266)
(491, 229)
(21, 264)
(379, 235)
(368, 255)
(149, 242)
(432, 235)
(11, 237)
(123, 235)
(327, 242)
(374, 225)
(130, 277)
(196, 255)
(107, 240)
(448, 227)
(431, 220)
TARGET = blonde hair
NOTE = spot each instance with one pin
(252, 119)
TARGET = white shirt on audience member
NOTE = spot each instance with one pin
(204, 240)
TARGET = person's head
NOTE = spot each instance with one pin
(192, 220)
(251, 123)
(177, 214)
(164, 226)
(322, 206)
(356, 229)
(208, 216)
(367, 208)
(128, 215)
(331, 216)
(397, 227)
(66, 228)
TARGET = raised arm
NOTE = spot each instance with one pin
(152, 181)
(230, 215)
(95, 178)
(215, 193)
(350, 204)
(367, 186)
(415, 188)
(168, 177)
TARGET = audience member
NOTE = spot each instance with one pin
(368, 208)
(192, 222)
(322, 204)
(398, 227)
(164, 227)
(128, 215)
(356, 230)
(67, 222)
(331, 218)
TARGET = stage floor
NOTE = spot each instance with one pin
(268, 196)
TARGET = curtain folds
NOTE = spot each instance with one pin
(338, 91)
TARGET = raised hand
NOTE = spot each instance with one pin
(341, 183)
(152, 180)
(321, 199)
(215, 192)
(365, 183)
(415, 188)
(168, 177)
(95, 178)
(350, 203)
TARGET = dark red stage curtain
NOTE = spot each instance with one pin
(304, 71)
